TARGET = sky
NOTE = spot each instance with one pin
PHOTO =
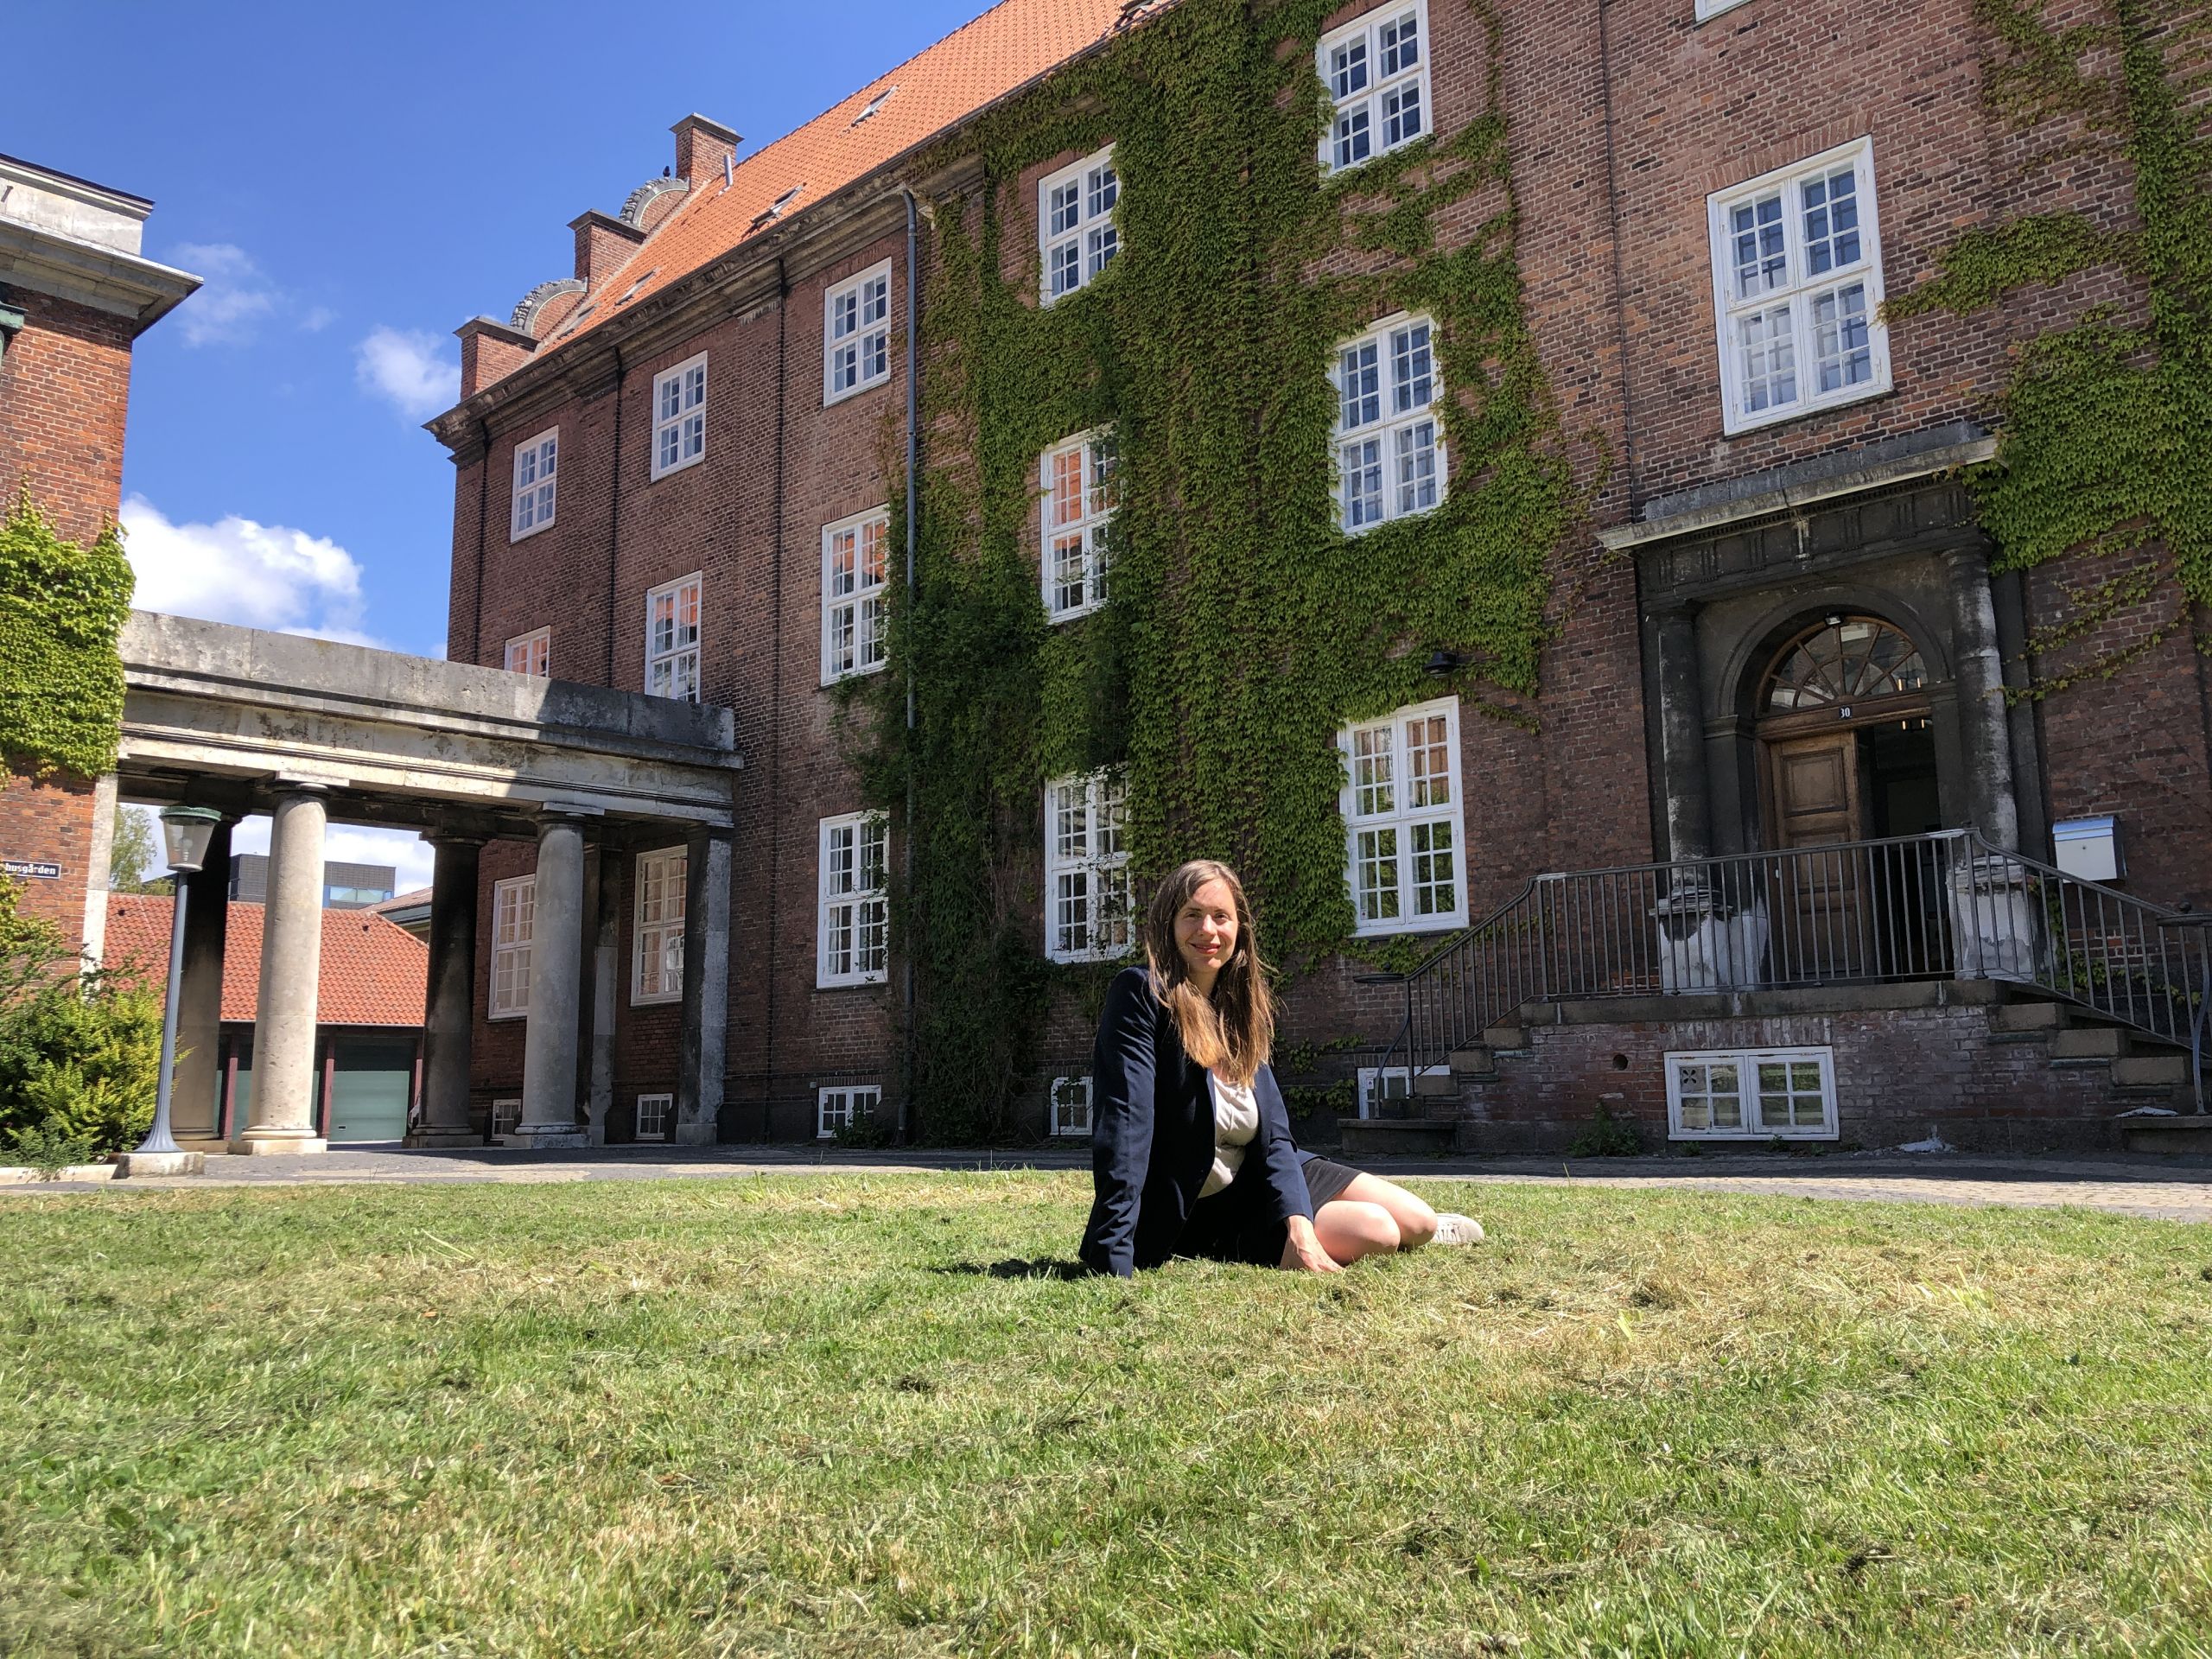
(354, 183)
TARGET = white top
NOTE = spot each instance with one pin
(1236, 1121)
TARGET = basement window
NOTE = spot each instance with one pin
(841, 1109)
(653, 1113)
(1379, 1084)
(1751, 1094)
(1071, 1106)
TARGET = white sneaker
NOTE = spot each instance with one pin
(1457, 1229)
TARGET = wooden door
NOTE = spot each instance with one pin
(1815, 797)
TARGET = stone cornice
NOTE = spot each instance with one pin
(101, 279)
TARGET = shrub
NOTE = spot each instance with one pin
(1607, 1136)
(49, 1151)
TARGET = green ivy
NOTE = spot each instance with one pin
(1244, 630)
(2104, 430)
(62, 607)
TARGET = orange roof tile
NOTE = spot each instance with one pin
(1008, 46)
(373, 974)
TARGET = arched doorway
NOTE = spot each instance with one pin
(1846, 737)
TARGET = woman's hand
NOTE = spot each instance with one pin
(1302, 1249)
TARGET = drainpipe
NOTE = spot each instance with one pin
(913, 535)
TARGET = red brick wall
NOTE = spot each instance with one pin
(52, 823)
(65, 389)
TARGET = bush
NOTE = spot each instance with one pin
(79, 1053)
(48, 1151)
(1607, 1136)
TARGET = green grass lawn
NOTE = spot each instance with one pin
(802, 1415)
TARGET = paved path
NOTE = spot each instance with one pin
(2174, 1189)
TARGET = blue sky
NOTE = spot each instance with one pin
(355, 182)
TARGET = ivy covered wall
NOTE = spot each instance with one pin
(1244, 629)
(62, 608)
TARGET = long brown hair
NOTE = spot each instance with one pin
(1233, 1031)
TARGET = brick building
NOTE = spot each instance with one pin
(75, 293)
(1777, 632)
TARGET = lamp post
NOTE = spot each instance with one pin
(186, 831)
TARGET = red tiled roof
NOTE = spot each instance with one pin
(373, 974)
(1008, 46)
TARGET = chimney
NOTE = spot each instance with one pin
(490, 350)
(602, 244)
(701, 147)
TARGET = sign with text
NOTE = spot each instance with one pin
(30, 869)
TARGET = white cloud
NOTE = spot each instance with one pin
(317, 319)
(237, 570)
(235, 296)
(407, 368)
(354, 843)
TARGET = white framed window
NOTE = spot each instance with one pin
(1388, 1082)
(653, 1113)
(531, 653)
(1376, 71)
(1797, 289)
(680, 415)
(657, 952)
(854, 569)
(1713, 8)
(1389, 437)
(1076, 481)
(1087, 897)
(1075, 223)
(857, 335)
(1071, 1106)
(842, 1108)
(535, 462)
(506, 1117)
(1751, 1094)
(514, 907)
(672, 640)
(1403, 829)
(855, 935)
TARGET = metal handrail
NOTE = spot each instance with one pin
(1942, 906)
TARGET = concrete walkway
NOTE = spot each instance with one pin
(2173, 1189)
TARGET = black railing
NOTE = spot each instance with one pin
(1946, 905)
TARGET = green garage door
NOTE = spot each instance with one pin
(368, 1091)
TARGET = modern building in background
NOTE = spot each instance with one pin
(676, 470)
(345, 887)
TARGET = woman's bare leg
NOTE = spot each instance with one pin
(1349, 1228)
(1416, 1220)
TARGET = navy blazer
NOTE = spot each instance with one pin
(1152, 1137)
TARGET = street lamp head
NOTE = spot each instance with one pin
(186, 831)
(1443, 663)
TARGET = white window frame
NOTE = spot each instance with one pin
(1078, 234)
(843, 1105)
(1069, 1113)
(1087, 892)
(1708, 10)
(514, 915)
(1075, 540)
(1387, 434)
(531, 653)
(857, 335)
(674, 661)
(1364, 786)
(1376, 99)
(851, 909)
(1375, 1085)
(1800, 290)
(536, 461)
(657, 926)
(680, 416)
(1751, 1106)
(665, 1105)
(506, 1117)
(853, 641)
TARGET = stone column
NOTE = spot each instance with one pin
(706, 988)
(1681, 735)
(99, 853)
(450, 1013)
(557, 948)
(1978, 673)
(291, 961)
(196, 1103)
(606, 991)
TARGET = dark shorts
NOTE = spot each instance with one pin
(1325, 1181)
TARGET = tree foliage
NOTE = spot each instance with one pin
(79, 1053)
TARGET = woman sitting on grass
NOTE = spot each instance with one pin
(1191, 1148)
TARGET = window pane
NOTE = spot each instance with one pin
(1412, 381)
(1378, 868)
(1360, 376)
(1769, 359)
(1066, 207)
(1105, 190)
(1353, 142)
(1832, 221)
(1435, 884)
(1841, 348)
(1348, 68)
(1372, 769)
(1417, 466)
(1762, 265)
(1401, 45)
(1401, 115)
(1428, 762)
(1363, 481)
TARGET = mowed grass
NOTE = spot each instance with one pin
(801, 1415)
